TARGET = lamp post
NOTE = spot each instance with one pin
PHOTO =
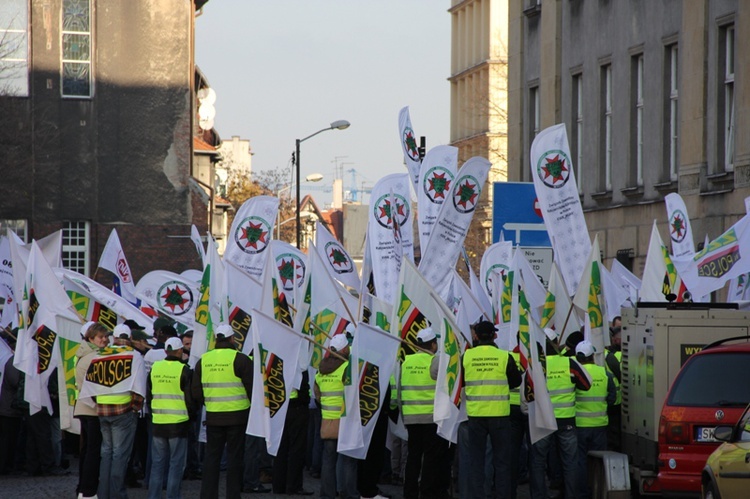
(336, 125)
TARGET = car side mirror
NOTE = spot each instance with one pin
(723, 433)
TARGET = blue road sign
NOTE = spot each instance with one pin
(516, 214)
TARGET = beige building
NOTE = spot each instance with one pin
(654, 101)
(479, 34)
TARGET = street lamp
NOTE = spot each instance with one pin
(336, 125)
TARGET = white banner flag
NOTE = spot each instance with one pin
(679, 226)
(409, 145)
(171, 294)
(331, 251)
(557, 191)
(251, 233)
(437, 173)
(113, 259)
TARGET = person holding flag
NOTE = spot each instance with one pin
(489, 374)
(223, 381)
(169, 399)
(427, 451)
(329, 390)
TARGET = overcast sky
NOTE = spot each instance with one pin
(284, 69)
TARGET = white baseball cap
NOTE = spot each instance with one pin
(585, 348)
(339, 342)
(224, 331)
(426, 335)
(172, 344)
(122, 332)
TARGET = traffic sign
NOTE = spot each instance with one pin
(516, 213)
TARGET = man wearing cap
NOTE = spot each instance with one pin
(591, 411)
(223, 381)
(329, 391)
(138, 336)
(169, 399)
(489, 374)
(564, 376)
(163, 330)
(416, 394)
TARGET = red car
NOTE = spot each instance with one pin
(711, 389)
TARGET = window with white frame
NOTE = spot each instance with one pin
(638, 103)
(14, 48)
(727, 110)
(75, 246)
(17, 226)
(76, 48)
(606, 128)
(578, 128)
(672, 128)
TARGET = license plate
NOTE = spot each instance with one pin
(705, 434)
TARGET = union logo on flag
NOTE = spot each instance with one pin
(553, 168)
(291, 270)
(437, 184)
(497, 269)
(384, 212)
(337, 258)
(410, 144)
(175, 297)
(677, 226)
(466, 195)
(252, 235)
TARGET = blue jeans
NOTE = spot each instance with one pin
(567, 445)
(118, 433)
(588, 439)
(497, 429)
(334, 464)
(171, 453)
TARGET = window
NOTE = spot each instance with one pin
(14, 48)
(534, 113)
(76, 48)
(726, 100)
(17, 226)
(606, 126)
(578, 129)
(75, 246)
(637, 119)
(672, 139)
(696, 384)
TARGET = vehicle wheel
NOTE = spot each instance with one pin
(709, 492)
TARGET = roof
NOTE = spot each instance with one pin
(201, 146)
(199, 4)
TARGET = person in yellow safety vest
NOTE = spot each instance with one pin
(564, 376)
(591, 412)
(427, 451)
(223, 382)
(613, 363)
(96, 337)
(329, 391)
(489, 375)
(170, 401)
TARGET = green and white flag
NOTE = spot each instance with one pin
(437, 173)
(590, 300)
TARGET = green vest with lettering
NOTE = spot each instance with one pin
(332, 392)
(487, 393)
(591, 405)
(167, 399)
(222, 390)
(417, 387)
(562, 391)
(515, 393)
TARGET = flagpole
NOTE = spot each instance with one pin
(403, 341)
(565, 324)
(306, 337)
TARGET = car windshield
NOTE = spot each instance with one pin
(712, 380)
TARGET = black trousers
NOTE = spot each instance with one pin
(10, 429)
(88, 465)
(216, 438)
(371, 468)
(290, 458)
(428, 452)
(39, 455)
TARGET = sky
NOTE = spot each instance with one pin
(284, 69)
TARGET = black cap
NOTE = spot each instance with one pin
(485, 330)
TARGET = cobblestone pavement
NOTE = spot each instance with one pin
(24, 487)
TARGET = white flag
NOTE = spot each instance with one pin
(660, 278)
(171, 294)
(437, 173)
(625, 278)
(449, 411)
(251, 233)
(244, 294)
(195, 236)
(495, 265)
(557, 191)
(409, 145)
(679, 226)
(113, 259)
(275, 352)
(452, 225)
(291, 269)
(340, 264)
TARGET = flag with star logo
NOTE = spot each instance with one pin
(391, 199)
(436, 177)
(340, 264)
(291, 269)
(251, 232)
(409, 145)
(661, 282)
(171, 294)
(447, 238)
(275, 301)
(557, 191)
(495, 265)
(679, 226)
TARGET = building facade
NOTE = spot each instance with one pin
(99, 116)
(653, 98)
